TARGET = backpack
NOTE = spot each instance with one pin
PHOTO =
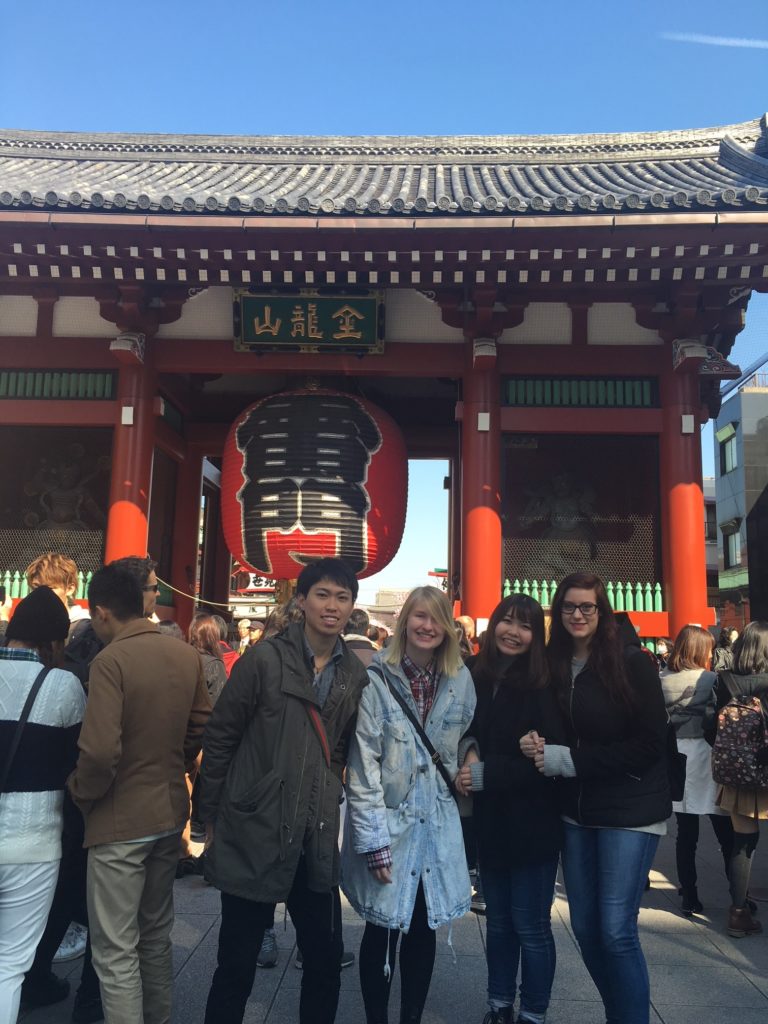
(739, 753)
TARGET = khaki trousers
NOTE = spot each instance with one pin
(130, 913)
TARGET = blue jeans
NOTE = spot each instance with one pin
(605, 870)
(519, 932)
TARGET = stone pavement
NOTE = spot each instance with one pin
(697, 973)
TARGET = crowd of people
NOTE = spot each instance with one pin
(122, 735)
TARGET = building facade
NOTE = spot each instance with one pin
(554, 316)
(741, 466)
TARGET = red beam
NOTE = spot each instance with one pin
(195, 355)
(30, 412)
(580, 421)
(23, 353)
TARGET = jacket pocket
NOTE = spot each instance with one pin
(256, 795)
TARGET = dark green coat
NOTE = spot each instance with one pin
(265, 784)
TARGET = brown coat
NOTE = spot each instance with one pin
(144, 720)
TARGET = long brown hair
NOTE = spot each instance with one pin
(528, 611)
(606, 651)
(693, 649)
(204, 635)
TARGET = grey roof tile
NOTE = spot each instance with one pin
(488, 175)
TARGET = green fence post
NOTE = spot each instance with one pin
(610, 593)
(647, 598)
(658, 604)
(629, 600)
(506, 589)
(619, 606)
(535, 590)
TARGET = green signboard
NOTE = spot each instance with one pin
(309, 320)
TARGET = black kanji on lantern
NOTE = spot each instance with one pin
(305, 461)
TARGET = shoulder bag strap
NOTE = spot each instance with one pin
(418, 728)
(318, 725)
(25, 712)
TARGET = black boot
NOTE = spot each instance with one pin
(410, 1014)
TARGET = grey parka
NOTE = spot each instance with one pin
(265, 783)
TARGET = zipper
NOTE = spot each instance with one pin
(301, 779)
(578, 741)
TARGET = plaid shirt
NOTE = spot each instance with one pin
(423, 684)
(18, 654)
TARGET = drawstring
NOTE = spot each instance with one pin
(451, 942)
(387, 968)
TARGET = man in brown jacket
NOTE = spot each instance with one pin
(147, 707)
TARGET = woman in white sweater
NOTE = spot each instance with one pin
(32, 795)
(687, 687)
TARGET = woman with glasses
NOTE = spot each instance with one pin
(517, 813)
(616, 798)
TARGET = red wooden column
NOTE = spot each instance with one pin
(480, 484)
(186, 533)
(132, 452)
(682, 503)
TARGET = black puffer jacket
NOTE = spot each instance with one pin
(619, 751)
(266, 786)
(517, 815)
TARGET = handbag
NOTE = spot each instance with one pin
(676, 763)
(437, 761)
(25, 712)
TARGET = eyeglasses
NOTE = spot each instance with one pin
(152, 587)
(587, 609)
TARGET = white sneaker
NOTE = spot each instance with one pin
(73, 944)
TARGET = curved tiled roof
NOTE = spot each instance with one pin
(717, 168)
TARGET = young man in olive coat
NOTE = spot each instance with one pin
(273, 756)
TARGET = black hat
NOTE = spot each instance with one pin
(40, 618)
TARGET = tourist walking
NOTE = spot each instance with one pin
(688, 695)
(42, 707)
(747, 805)
(403, 864)
(616, 798)
(516, 808)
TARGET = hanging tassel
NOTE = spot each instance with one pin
(387, 968)
(450, 942)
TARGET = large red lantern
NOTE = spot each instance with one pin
(313, 474)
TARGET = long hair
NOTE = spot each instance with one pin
(523, 609)
(606, 651)
(204, 635)
(724, 639)
(693, 649)
(436, 603)
(750, 651)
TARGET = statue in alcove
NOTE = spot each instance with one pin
(560, 510)
(62, 492)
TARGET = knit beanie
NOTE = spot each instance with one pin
(40, 618)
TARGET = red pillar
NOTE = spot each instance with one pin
(132, 452)
(480, 487)
(682, 504)
(186, 534)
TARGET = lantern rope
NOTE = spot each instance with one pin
(194, 597)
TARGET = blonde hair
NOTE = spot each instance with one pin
(448, 654)
(52, 570)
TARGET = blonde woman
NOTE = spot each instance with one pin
(403, 864)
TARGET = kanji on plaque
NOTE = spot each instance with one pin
(309, 319)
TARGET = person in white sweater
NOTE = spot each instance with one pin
(32, 794)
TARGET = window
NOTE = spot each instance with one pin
(731, 549)
(729, 458)
(710, 522)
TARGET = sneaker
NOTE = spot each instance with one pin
(505, 1015)
(72, 945)
(268, 953)
(44, 990)
(87, 1010)
(477, 906)
(347, 959)
(741, 923)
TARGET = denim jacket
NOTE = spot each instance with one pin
(397, 798)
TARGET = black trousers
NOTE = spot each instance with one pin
(317, 919)
(688, 838)
(68, 905)
(417, 961)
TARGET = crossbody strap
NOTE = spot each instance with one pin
(437, 761)
(25, 712)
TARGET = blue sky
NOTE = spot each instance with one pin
(425, 67)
